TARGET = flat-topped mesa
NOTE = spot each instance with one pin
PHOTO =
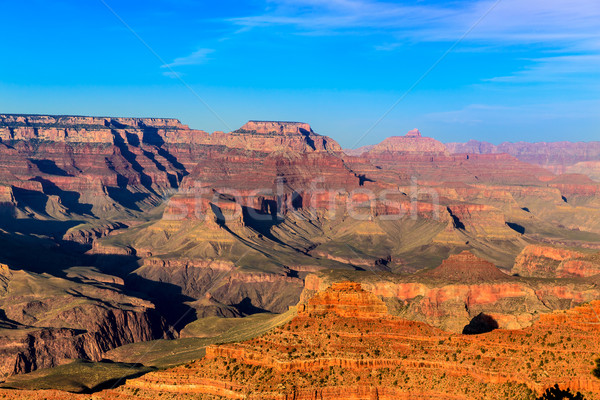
(411, 143)
(277, 127)
(346, 299)
(76, 121)
(106, 130)
(276, 136)
(468, 268)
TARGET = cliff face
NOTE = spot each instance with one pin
(332, 354)
(464, 286)
(550, 262)
(101, 166)
(50, 321)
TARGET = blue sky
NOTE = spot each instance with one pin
(517, 70)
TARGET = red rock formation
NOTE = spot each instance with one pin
(554, 262)
(345, 299)
(411, 143)
(352, 357)
(464, 286)
(466, 268)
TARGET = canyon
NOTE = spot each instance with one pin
(344, 344)
(120, 233)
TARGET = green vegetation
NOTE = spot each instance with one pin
(596, 371)
(556, 393)
(168, 353)
(80, 376)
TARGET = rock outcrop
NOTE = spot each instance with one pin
(345, 299)
(466, 268)
(411, 143)
(463, 287)
(337, 355)
(50, 320)
(551, 262)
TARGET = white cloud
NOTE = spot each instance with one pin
(570, 28)
(200, 56)
(510, 21)
(555, 69)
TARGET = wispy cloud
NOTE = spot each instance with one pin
(200, 56)
(568, 31)
(474, 114)
(512, 21)
(556, 69)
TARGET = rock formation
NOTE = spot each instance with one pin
(51, 321)
(550, 262)
(411, 143)
(121, 230)
(376, 356)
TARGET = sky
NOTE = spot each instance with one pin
(356, 70)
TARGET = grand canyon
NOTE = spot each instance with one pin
(144, 259)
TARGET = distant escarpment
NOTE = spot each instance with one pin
(104, 167)
(559, 157)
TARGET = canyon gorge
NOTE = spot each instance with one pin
(270, 263)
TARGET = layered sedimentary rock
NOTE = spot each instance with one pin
(338, 355)
(558, 157)
(463, 287)
(589, 168)
(345, 299)
(51, 320)
(100, 166)
(251, 213)
(466, 268)
(550, 262)
(411, 143)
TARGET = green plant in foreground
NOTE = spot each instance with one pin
(556, 393)
(596, 371)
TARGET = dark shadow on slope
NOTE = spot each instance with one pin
(49, 167)
(170, 302)
(152, 137)
(516, 227)
(31, 199)
(455, 220)
(116, 382)
(362, 179)
(247, 308)
(126, 198)
(37, 255)
(482, 323)
(29, 226)
(262, 222)
(308, 139)
(131, 158)
(69, 199)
